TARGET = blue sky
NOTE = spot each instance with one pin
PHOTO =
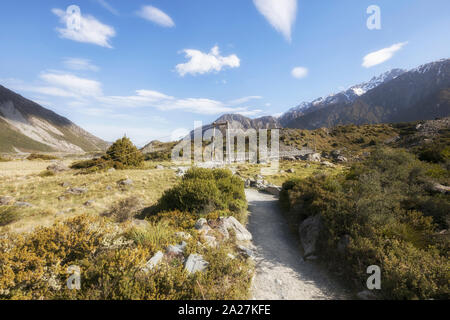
(147, 68)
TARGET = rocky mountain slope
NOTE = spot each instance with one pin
(419, 94)
(25, 126)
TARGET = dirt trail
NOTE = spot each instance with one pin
(281, 272)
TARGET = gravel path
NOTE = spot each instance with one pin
(281, 272)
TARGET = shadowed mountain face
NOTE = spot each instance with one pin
(419, 94)
(25, 126)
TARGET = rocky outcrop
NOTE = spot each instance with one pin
(57, 167)
(309, 231)
(195, 263)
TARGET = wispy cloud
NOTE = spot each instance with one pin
(383, 55)
(79, 64)
(281, 14)
(299, 72)
(108, 7)
(156, 15)
(86, 93)
(90, 30)
(201, 63)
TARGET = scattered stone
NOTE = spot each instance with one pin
(200, 223)
(159, 167)
(341, 159)
(65, 184)
(61, 198)
(153, 262)
(181, 171)
(289, 158)
(309, 232)
(307, 165)
(176, 249)
(23, 204)
(109, 188)
(209, 240)
(246, 251)
(57, 167)
(125, 182)
(195, 263)
(315, 157)
(247, 183)
(227, 223)
(5, 200)
(328, 164)
(436, 187)
(76, 190)
(111, 170)
(366, 295)
(290, 170)
(89, 203)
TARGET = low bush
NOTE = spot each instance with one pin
(46, 173)
(203, 191)
(37, 156)
(8, 214)
(35, 265)
(384, 207)
(124, 210)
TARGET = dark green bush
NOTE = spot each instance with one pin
(36, 156)
(203, 191)
(8, 214)
(121, 155)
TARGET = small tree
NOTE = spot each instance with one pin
(124, 153)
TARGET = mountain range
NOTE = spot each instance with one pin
(25, 126)
(398, 95)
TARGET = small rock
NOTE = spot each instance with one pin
(76, 190)
(231, 256)
(109, 188)
(246, 251)
(61, 198)
(125, 182)
(341, 159)
(309, 231)
(290, 170)
(176, 249)
(272, 189)
(210, 240)
(65, 184)
(111, 170)
(89, 203)
(57, 167)
(195, 263)
(159, 167)
(241, 232)
(315, 157)
(5, 200)
(23, 204)
(328, 164)
(151, 264)
(200, 223)
(247, 183)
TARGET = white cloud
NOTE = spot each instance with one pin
(250, 113)
(380, 56)
(281, 14)
(79, 64)
(299, 72)
(157, 16)
(90, 30)
(108, 7)
(73, 84)
(201, 63)
(244, 100)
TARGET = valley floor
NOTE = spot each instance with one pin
(281, 272)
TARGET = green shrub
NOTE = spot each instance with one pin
(36, 156)
(383, 206)
(436, 153)
(203, 191)
(124, 152)
(121, 155)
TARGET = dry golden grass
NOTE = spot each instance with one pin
(21, 180)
